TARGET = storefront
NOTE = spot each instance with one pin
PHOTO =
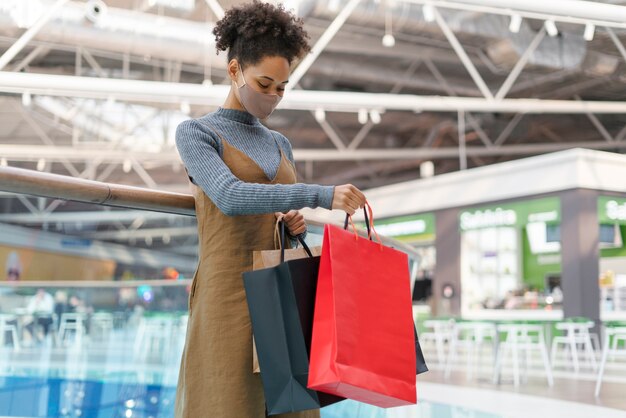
(510, 256)
(612, 218)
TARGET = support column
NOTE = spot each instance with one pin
(580, 254)
(448, 264)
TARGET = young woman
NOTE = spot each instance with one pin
(242, 177)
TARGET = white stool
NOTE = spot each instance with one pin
(153, 336)
(521, 338)
(576, 334)
(471, 336)
(101, 324)
(617, 333)
(6, 325)
(72, 322)
(440, 332)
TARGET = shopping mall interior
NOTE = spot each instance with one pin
(488, 137)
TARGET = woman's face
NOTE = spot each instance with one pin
(269, 76)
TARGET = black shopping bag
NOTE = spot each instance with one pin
(281, 300)
(420, 362)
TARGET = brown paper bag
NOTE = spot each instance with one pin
(271, 258)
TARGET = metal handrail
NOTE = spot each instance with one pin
(56, 186)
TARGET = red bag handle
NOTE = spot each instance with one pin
(369, 223)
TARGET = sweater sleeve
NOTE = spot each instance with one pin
(326, 197)
(198, 150)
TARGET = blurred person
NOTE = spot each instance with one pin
(243, 178)
(41, 308)
(13, 267)
(60, 305)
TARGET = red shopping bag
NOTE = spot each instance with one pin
(363, 346)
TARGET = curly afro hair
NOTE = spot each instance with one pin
(257, 30)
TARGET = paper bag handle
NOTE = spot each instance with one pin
(283, 241)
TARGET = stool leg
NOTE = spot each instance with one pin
(515, 352)
(440, 350)
(574, 350)
(546, 361)
(591, 356)
(451, 356)
(553, 351)
(16, 342)
(499, 352)
(605, 353)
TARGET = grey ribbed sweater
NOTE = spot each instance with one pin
(201, 151)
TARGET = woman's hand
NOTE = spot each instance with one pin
(294, 221)
(348, 198)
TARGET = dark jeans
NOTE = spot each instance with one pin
(43, 321)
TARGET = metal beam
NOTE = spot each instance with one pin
(338, 101)
(29, 34)
(450, 152)
(465, 59)
(332, 134)
(566, 11)
(216, 8)
(361, 135)
(462, 148)
(521, 63)
(508, 130)
(598, 125)
(45, 139)
(102, 216)
(621, 135)
(365, 129)
(31, 56)
(321, 43)
(144, 233)
(617, 42)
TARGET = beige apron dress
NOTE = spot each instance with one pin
(216, 379)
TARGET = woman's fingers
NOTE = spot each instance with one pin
(295, 222)
(348, 198)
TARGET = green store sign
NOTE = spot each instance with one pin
(406, 228)
(518, 214)
(612, 210)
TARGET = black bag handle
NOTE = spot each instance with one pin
(367, 223)
(283, 241)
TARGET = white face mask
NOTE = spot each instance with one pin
(256, 103)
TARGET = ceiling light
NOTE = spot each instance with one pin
(127, 165)
(388, 40)
(590, 30)
(551, 28)
(185, 108)
(27, 99)
(362, 116)
(429, 12)
(375, 116)
(427, 169)
(516, 23)
(320, 115)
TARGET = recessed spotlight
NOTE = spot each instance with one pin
(516, 23)
(389, 41)
(429, 12)
(590, 30)
(551, 28)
